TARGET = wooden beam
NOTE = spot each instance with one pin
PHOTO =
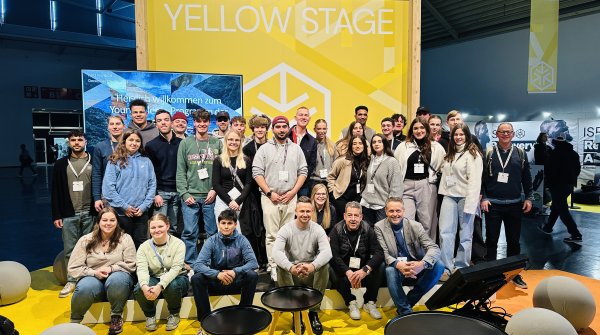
(141, 35)
(415, 60)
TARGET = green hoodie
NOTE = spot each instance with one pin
(192, 156)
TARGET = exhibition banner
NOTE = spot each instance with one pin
(327, 55)
(108, 93)
(543, 46)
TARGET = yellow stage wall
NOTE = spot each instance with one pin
(328, 55)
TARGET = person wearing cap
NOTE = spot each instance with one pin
(162, 151)
(195, 158)
(361, 114)
(279, 168)
(139, 120)
(222, 124)
(562, 170)
(299, 135)
(423, 112)
(179, 125)
(102, 151)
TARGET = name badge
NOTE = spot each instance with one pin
(358, 188)
(234, 193)
(203, 174)
(450, 181)
(419, 168)
(323, 173)
(503, 177)
(283, 175)
(402, 259)
(354, 263)
(78, 186)
(370, 188)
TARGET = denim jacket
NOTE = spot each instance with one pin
(225, 253)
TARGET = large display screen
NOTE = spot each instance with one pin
(108, 93)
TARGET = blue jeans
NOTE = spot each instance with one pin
(191, 231)
(116, 288)
(244, 282)
(73, 228)
(425, 281)
(170, 208)
(173, 293)
(453, 218)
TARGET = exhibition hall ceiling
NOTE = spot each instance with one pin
(111, 23)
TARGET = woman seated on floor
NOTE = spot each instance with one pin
(160, 272)
(102, 262)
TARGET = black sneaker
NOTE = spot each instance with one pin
(545, 229)
(519, 282)
(574, 239)
(116, 325)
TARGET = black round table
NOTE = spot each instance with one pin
(434, 323)
(295, 299)
(236, 320)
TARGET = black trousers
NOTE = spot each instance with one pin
(371, 282)
(510, 214)
(560, 208)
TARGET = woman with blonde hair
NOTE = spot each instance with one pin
(161, 273)
(231, 175)
(325, 154)
(323, 212)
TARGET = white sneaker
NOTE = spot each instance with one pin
(371, 308)
(151, 324)
(69, 287)
(274, 273)
(354, 311)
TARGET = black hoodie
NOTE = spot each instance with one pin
(562, 166)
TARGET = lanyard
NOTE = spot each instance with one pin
(83, 169)
(374, 171)
(202, 157)
(164, 268)
(357, 241)
(321, 156)
(419, 150)
(504, 164)
(358, 176)
(286, 150)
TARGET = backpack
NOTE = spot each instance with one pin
(7, 327)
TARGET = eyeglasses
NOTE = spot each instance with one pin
(222, 119)
(320, 194)
(505, 132)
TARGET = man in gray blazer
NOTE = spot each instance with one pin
(409, 252)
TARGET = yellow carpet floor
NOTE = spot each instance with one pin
(42, 309)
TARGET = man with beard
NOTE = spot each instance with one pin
(279, 168)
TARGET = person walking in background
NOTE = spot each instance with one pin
(26, 161)
(562, 170)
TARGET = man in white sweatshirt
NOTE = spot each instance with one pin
(302, 253)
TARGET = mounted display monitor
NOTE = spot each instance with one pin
(107, 92)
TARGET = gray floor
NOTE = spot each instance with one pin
(31, 239)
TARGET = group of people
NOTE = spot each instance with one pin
(299, 206)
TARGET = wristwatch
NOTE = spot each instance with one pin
(269, 194)
(366, 269)
(426, 265)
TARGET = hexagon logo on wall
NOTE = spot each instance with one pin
(282, 89)
(541, 76)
